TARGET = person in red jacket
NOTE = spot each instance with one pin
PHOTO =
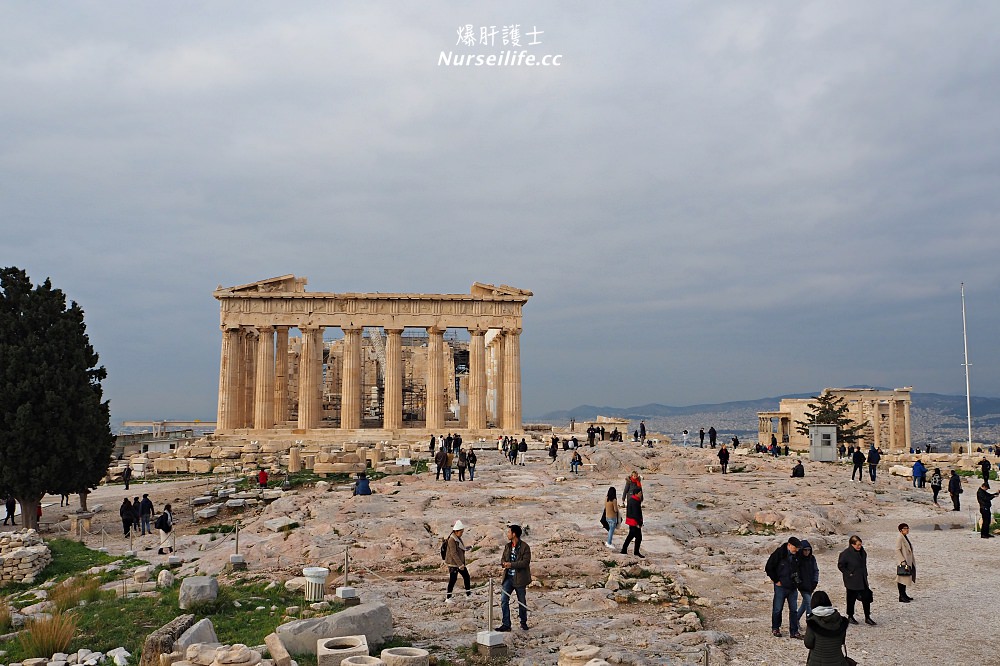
(262, 478)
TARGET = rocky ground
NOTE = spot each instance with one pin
(701, 588)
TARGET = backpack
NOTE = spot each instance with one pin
(444, 549)
(161, 523)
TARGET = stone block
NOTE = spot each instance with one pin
(236, 655)
(208, 512)
(203, 500)
(165, 579)
(162, 640)
(199, 466)
(196, 590)
(405, 656)
(168, 465)
(201, 631)
(332, 651)
(277, 650)
(373, 620)
(236, 503)
(277, 524)
(577, 655)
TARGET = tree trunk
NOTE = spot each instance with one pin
(29, 512)
(83, 500)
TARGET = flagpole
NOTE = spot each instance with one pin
(968, 398)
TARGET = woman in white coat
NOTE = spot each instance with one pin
(904, 556)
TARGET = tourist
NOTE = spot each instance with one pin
(826, 632)
(516, 562)
(11, 506)
(513, 451)
(798, 471)
(449, 460)
(146, 512)
(463, 462)
(472, 459)
(712, 434)
(723, 458)
(808, 578)
(447, 442)
(127, 475)
(456, 443)
(554, 449)
(736, 442)
(955, 489)
(522, 450)
(985, 499)
(859, 463)
(787, 450)
(433, 445)
(919, 472)
(936, 482)
(873, 459)
(904, 555)
(842, 450)
(611, 515)
(774, 443)
(642, 432)
(125, 511)
(984, 465)
(262, 478)
(64, 499)
(136, 511)
(782, 569)
(853, 564)
(165, 524)
(574, 462)
(632, 484)
(455, 559)
(440, 460)
(362, 485)
(684, 434)
(635, 435)
(701, 438)
(633, 518)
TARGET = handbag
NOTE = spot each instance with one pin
(604, 521)
(903, 569)
(866, 596)
(848, 660)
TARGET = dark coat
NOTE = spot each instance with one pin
(780, 565)
(854, 565)
(441, 457)
(724, 456)
(125, 511)
(633, 510)
(146, 507)
(874, 456)
(521, 566)
(985, 498)
(824, 638)
(808, 569)
(954, 484)
(858, 458)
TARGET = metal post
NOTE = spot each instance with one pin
(347, 562)
(489, 608)
(104, 534)
(131, 546)
(237, 537)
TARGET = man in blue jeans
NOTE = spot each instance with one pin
(783, 569)
(516, 563)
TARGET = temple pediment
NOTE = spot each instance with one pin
(283, 283)
(481, 289)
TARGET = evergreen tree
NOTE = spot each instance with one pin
(832, 410)
(55, 431)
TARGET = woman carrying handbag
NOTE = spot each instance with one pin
(906, 570)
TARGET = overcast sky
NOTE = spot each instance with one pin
(710, 201)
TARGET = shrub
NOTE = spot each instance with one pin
(5, 623)
(45, 637)
(65, 595)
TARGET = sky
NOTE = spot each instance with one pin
(710, 201)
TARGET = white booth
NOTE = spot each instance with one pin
(823, 442)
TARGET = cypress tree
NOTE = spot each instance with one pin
(832, 410)
(55, 430)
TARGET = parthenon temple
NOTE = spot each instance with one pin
(885, 415)
(400, 367)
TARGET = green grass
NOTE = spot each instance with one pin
(217, 529)
(68, 558)
(977, 473)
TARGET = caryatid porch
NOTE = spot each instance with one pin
(254, 373)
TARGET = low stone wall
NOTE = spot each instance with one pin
(23, 555)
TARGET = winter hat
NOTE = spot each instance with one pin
(794, 541)
(459, 525)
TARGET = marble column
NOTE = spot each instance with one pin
(906, 423)
(263, 407)
(877, 422)
(892, 425)
(392, 408)
(350, 393)
(228, 379)
(309, 377)
(249, 376)
(498, 346)
(477, 380)
(281, 376)
(512, 381)
(435, 379)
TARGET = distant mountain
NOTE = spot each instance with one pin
(945, 405)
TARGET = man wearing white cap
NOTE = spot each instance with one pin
(455, 559)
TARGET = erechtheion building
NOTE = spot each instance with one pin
(394, 372)
(886, 415)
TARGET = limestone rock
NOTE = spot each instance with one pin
(373, 620)
(196, 590)
(201, 631)
(165, 579)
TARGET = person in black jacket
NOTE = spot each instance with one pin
(859, 463)
(798, 471)
(633, 518)
(985, 499)
(125, 511)
(782, 568)
(873, 459)
(724, 458)
(808, 577)
(853, 564)
(955, 489)
(826, 633)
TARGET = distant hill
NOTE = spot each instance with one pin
(945, 405)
